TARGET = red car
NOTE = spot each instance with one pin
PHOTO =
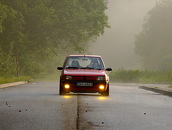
(84, 74)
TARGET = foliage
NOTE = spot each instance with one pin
(139, 76)
(153, 43)
(7, 66)
(125, 75)
(34, 32)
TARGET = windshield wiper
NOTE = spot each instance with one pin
(98, 69)
(87, 68)
(72, 67)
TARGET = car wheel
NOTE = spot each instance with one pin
(61, 90)
(106, 93)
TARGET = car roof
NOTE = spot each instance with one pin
(84, 55)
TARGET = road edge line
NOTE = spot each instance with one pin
(12, 84)
(154, 89)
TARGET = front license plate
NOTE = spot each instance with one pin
(84, 84)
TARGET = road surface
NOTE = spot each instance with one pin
(37, 106)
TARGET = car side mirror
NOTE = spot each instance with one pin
(108, 69)
(60, 68)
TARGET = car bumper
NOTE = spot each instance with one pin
(97, 86)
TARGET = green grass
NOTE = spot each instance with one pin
(4, 80)
(139, 76)
(170, 86)
(125, 75)
(48, 77)
(42, 77)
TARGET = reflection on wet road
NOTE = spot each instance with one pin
(38, 106)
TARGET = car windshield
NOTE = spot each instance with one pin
(83, 62)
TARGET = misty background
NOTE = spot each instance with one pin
(37, 35)
(117, 44)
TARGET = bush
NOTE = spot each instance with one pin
(125, 75)
(141, 76)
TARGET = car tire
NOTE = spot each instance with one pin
(106, 93)
(61, 91)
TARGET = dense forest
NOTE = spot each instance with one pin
(154, 43)
(34, 34)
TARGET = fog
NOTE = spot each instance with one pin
(116, 46)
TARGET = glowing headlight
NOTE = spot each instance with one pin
(101, 87)
(100, 78)
(68, 77)
(67, 86)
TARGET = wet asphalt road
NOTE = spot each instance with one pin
(37, 106)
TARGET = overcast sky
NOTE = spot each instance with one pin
(126, 18)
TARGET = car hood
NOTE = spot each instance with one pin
(84, 72)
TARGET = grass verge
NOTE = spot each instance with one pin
(14, 79)
(139, 76)
(170, 86)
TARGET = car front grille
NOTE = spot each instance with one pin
(84, 78)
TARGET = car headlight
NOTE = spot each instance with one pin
(100, 78)
(68, 77)
(66, 86)
(101, 87)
